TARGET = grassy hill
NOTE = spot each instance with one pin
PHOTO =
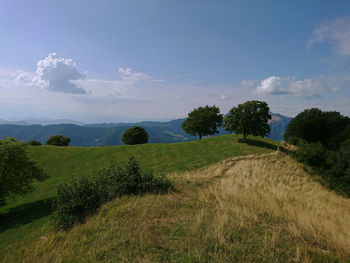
(22, 219)
(228, 207)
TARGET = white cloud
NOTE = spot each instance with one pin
(336, 33)
(248, 83)
(275, 85)
(271, 85)
(223, 97)
(128, 75)
(55, 74)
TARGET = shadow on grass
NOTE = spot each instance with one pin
(26, 213)
(259, 144)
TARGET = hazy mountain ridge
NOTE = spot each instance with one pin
(104, 134)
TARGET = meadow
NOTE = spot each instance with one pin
(249, 203)
(27, 217)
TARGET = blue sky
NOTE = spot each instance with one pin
(98, 61)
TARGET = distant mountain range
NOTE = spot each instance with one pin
(41, 122)
(104, 134)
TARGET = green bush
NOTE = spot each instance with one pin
(58, 140)
(338, 176)
(332, 166)
(312, 154)
(293, 140)
(128, 180)
(84, 196)
(135, 135)
(34, 143)
(74, 202)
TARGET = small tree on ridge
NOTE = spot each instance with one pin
(250, 117)
(203, 121)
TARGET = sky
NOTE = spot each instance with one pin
(134, 60)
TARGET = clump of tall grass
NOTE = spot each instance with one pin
(84, 196)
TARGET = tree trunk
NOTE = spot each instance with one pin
(244, 137)
(200, 136)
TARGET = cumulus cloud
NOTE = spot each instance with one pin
(55, 74)
(271, 85)
(336, 33)
(275, 85)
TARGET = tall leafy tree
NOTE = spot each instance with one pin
(314, 125)
(249, 118)
(17, 170)
(203, 121)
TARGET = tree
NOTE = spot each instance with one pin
(135, 135)
(17, 170)
(34, 143)
(314, 125)
(203, 121)
(58, 140)
(248, 118)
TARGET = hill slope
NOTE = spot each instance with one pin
(247, 209)
(111, 134)
(26, 218)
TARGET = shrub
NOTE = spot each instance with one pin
(312, 154)
(338, 176)
(293, 140)
(135, 135)
(58, 140)
(74, 202)
(84, 196)
(34, 143)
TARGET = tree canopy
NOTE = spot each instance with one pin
(135, 135)
(17, 170)
(249, 118)
(203, 121)
(58, 140)
(314, 125)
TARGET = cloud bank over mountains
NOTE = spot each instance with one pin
(139, 96)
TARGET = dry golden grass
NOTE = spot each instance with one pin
(246, 209)
(277, 186)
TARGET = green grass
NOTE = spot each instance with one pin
(250, 209)
(26, 218)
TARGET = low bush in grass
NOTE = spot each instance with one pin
(293, 140)
(84, 196)
(333, 166)
(312, 154)
(34, 143)
(338, 175)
